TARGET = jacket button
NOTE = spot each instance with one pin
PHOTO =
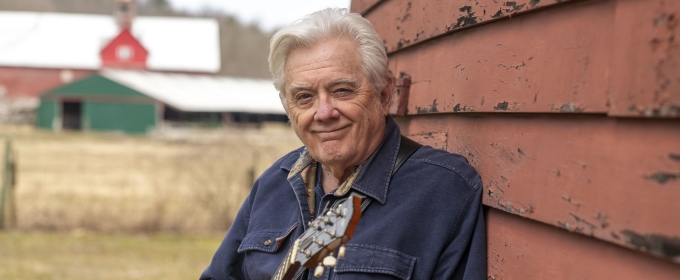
(267, 242)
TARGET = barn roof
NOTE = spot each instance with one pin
(202, 93)
(73, 41)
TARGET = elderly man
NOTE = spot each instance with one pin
(423, 222)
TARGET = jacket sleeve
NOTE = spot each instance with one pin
(227, 263)
(465, 256)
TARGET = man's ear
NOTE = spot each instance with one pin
(386, 95)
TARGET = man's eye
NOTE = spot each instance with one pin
(304, 96)
(303, 99)
(343, 91)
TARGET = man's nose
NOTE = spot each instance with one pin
(325, 109)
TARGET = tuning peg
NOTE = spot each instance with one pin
(330, 261)
(341, 252)
(318, 271)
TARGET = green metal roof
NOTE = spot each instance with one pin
(94, 85)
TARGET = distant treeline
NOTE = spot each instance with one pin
(244, 48)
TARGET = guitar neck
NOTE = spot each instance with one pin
(325, 234)
(289, 266)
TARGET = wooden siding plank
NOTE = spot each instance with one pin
(647, 36)
(522, 249)
(363, 6)
(521, 65)
(405, 23)
(617, 180)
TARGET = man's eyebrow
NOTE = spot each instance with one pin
(353, 82)
(297, 87)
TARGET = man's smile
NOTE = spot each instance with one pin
(332, 133)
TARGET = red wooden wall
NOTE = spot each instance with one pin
(25, 82)
(569, 110)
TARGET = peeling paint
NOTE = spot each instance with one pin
(663, 177)
(655, 244)
(516, 67)
(426, 110)
(675, 157)
(564, 225)
(433, 107)
(534, 3)
(514, 6)
(407, 15)
(578, 219)
(603, 219)
(503, 106)
(495, 199)
(570, 201)
(497, 14)
(466, 20)
(661, 111)
(521, 151)
(570, 108)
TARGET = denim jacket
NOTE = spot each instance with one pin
(425, 222)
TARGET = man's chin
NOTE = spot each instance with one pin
(331, 156)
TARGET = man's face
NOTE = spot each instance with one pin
(331, 103)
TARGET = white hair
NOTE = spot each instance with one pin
(327, 24)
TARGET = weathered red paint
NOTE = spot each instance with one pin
(647, 36)
(522, 249)
(408, 22)
(518, 65)
(124, 51)
(363, 6)
(617, 180)
(24, 82)
(565, 157)
(400, 96)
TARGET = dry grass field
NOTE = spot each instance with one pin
(189, 181)
(112, 206)
(77, 255)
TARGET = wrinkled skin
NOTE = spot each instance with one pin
(333, 107)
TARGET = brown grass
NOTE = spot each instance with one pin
(189, 181)
(78, 255)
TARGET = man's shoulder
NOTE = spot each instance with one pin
(441, 161)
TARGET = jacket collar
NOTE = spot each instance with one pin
(374, 179)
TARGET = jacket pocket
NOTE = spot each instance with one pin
(364, 261)
(261, 252)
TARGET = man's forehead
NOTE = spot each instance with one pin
(331, 48)
(326, 63)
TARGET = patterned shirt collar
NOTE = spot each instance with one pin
(307, 167)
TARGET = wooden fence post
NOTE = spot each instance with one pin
(7, 205)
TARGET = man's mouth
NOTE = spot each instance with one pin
(332, 134)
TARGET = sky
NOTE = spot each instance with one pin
(267, 14)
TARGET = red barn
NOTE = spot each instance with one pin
(42, 51)
(124, 51)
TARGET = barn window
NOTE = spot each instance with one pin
(124, 52)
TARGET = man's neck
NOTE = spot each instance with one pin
(331, 179)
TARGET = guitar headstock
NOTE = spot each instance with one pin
(325, 234)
